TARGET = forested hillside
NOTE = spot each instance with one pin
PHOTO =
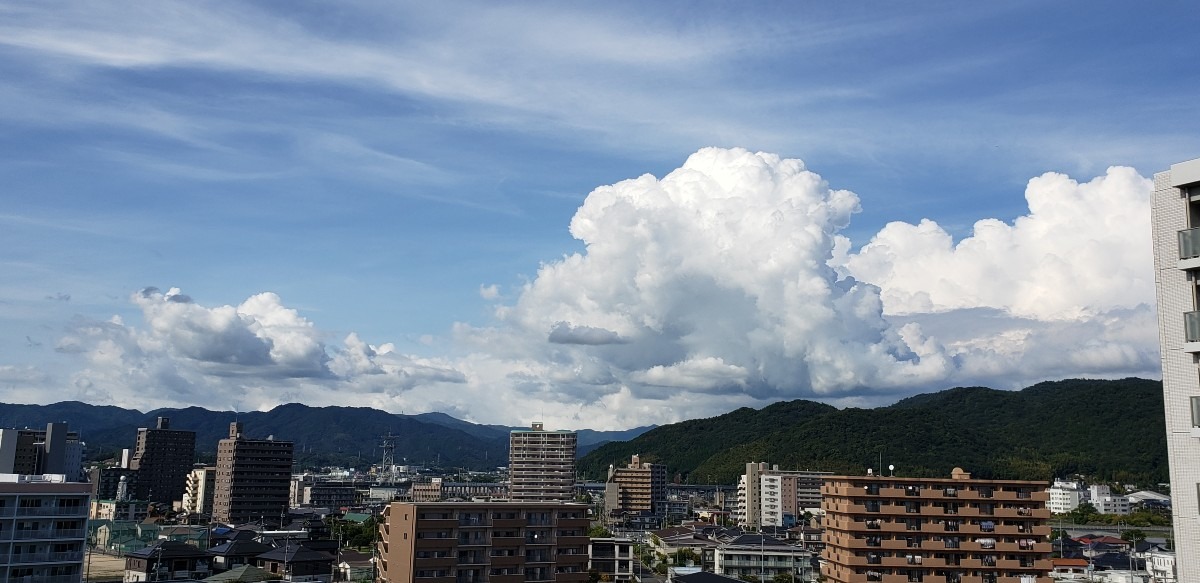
(1109, 429)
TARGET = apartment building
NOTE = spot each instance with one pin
(1175, 221)
(253, 479)
(612, 557)
(768, 496)
(1065, 496)
(483, 542)
(199, 490)
(956, 530)
(541, 464)
(34, 452)
(163, 458)
(43, 519)
(763, 557)
(639, 488)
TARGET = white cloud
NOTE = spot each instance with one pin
(1082, 249)
(489, 292)
(725, 283)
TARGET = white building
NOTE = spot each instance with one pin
(1065, 496)
(1175, 218)
(768, 496)
(1161, 565)
(44, 520)
(541, 464)
(761, 556)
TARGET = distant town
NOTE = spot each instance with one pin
(151, 513)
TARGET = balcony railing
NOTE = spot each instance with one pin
(1189, 243)
(1191, 326)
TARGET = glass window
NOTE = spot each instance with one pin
(1195, 411)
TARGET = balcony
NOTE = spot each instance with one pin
(1189, 249)
(1191, 331)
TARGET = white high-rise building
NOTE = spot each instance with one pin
(1175, 215)
(541, 464)
(1065, 496)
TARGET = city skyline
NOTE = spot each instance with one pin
(590, 217)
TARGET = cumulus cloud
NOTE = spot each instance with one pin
(1081, 249)
(565, 333)
(725, 283)
(256, 354)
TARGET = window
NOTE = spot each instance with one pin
(1195, 411)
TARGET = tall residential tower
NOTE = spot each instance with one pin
(1175, 216)
(163, 458)
(254, 478)
(541, 464)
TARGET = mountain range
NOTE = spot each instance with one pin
(323, 435)
(1110, 430)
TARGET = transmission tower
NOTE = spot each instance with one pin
(388, 474)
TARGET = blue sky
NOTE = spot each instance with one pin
(379, 166)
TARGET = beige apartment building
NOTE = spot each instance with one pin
(638, 488)
(483, 542)
(253, 479)
(541, 464)
(927, 530)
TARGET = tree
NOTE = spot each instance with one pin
(783, 578)
(661, 568)
(749, 578)
(1134, 535)
(1084, 513)
(593, 576)
(598, 531)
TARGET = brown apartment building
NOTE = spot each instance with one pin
(638, 488)
(162, 457)
(483, 542)
(927, 530)
(254, 479)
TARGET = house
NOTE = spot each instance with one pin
(355, 566)
(760, 556)
(166, 560)
(297, 562)
(242, 574)
(236, 553)
(1069, 568)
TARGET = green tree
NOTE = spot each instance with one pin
(593, 576)
(1134, 535)
(598, 531)
(749, 578)
(661, 568)
(783, 578)
(1085, 513)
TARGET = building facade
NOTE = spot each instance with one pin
(541, 465)
(163, 458)
(198, 491)
(768, 496)
(956, 530)
(253, 479)
(639, 488)
(613, 557)
(483, 542)
(35, 452)
(1175, 219)
(1065, 496)
(43, 519)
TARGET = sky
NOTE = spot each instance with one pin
(595, 216)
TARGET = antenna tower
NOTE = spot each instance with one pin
(388, 475)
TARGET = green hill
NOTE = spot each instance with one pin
(1108, 429)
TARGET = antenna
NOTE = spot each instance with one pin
(388, 443)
